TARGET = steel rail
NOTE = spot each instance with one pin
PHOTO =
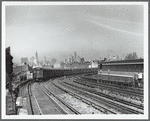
(57, 107)
(112, 98)
(99, 85)
(66, 104)
(30, 108)
(84, 99)
(123, 107)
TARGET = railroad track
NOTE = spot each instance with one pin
(126, 90)
(94, 79)
(112, 98)
(39, 98)
(32, 103)
(97, 107)
(87, 101)
(29, 99)
(133, 89)
(114, 89)
(59, 109)
(49, 92)
(119, 107)
(122, 92)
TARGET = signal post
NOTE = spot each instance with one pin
(11, 110)
(9, 66)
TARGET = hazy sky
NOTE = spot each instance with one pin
(59, 30)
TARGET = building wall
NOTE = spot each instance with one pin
(135, 65)
(124, 68)
(20, 68)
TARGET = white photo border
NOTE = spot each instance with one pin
(3, 72)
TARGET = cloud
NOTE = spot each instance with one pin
(61, 30)
(116, 29)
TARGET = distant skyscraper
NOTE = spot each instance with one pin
(82, 60)
(72, 58)
(117, 57)
(36, 59)
(36, 56)
(110, 58)
(32, 60)
(75, 56)
(69, 60)
(79, 59)
(114, 58)
(66, 61)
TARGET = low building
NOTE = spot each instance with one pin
(24, 61)
(134, 65)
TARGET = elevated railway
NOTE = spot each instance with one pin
(90, 88)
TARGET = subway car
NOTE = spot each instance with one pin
(37, 73)
(40, 73)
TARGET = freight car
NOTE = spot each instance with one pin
(46, 73)
(133, 81)
(122, 72)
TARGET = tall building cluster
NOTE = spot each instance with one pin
(74, 58)
(123, 57)
(74, 61)
(34, 60)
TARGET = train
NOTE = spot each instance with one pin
(132, 80)
(124, 72)
(37, 73)
(132, 72)
(40, 73)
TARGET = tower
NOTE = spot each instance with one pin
(69, 60)
(79, 59)
(75, 56)
(36, 58)
(72, 58)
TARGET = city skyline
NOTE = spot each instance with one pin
(92, 31)
(34, 60)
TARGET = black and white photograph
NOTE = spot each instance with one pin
(74, 60)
